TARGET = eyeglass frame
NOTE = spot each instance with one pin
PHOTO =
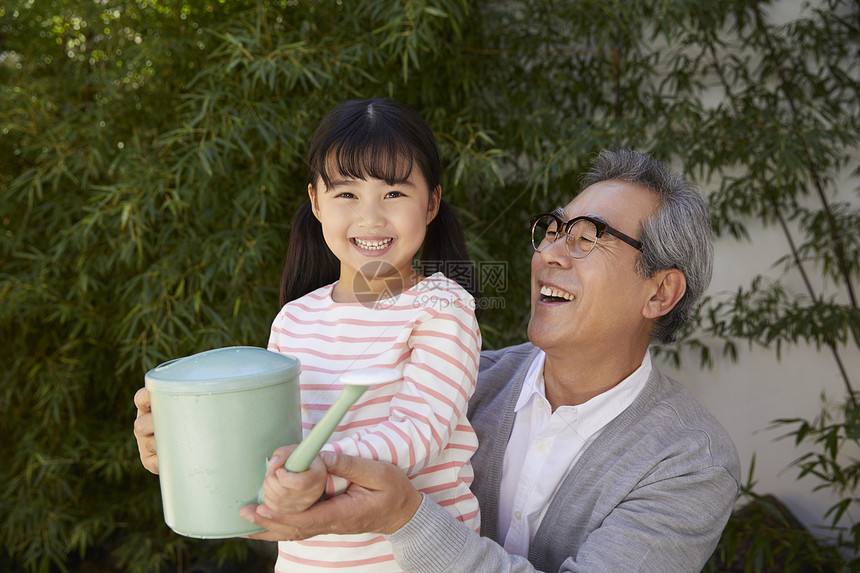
(565, 226)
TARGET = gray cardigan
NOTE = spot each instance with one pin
(651, 493)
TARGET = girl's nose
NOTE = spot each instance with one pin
(371, 216)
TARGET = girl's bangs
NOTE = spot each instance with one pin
(357, 158)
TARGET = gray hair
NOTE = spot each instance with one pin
(677, 236)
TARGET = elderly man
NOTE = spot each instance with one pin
(589, 459)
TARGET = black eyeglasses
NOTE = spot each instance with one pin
(581, 233)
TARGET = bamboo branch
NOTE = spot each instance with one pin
(832, 345)
(787, 232)
(838, 247)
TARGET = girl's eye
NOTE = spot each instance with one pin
(346, 195)
(394, 194)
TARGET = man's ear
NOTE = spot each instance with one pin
(312, 195)
(671, 284)
(433, 203)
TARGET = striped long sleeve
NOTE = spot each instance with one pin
(429, 334)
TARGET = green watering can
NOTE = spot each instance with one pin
(218, 416)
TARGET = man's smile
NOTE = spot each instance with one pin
(553, 294)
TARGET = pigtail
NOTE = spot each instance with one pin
(445, 250)
(309, 263)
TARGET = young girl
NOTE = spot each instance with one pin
(353, 299)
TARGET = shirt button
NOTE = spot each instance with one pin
(517, 515)
(540, 446)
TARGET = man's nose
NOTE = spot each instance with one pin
(556, 253)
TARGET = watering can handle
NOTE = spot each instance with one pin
(301, 458)
(354, 384)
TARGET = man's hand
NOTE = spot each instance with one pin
(144, 431)
(379, 499)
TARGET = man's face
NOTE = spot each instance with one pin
(594, 303)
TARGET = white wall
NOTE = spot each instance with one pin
(747, 395)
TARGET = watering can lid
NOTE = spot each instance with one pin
(222, 370)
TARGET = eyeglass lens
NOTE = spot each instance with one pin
(581, 237)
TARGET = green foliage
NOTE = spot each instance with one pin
(786, 130)
(835, 437)
(763, 536)
(151, 157)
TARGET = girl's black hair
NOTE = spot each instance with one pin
(380, 139)
(309, 264)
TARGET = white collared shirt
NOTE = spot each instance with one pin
(544, 445)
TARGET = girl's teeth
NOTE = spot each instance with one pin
(372, 245)
(548, 291)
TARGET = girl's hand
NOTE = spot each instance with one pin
(287, 492)
(144, 431)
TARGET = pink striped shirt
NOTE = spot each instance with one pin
(429, 333)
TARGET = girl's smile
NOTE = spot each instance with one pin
(376, 246)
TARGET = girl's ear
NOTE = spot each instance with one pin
(312, 195)
(433, 204)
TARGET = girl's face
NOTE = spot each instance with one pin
(374, 229)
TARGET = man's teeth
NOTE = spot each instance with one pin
(373, 245)
(554, 292)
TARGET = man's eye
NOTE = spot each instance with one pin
(551, 235)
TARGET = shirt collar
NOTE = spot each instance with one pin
(533, 382)
(600, 410)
